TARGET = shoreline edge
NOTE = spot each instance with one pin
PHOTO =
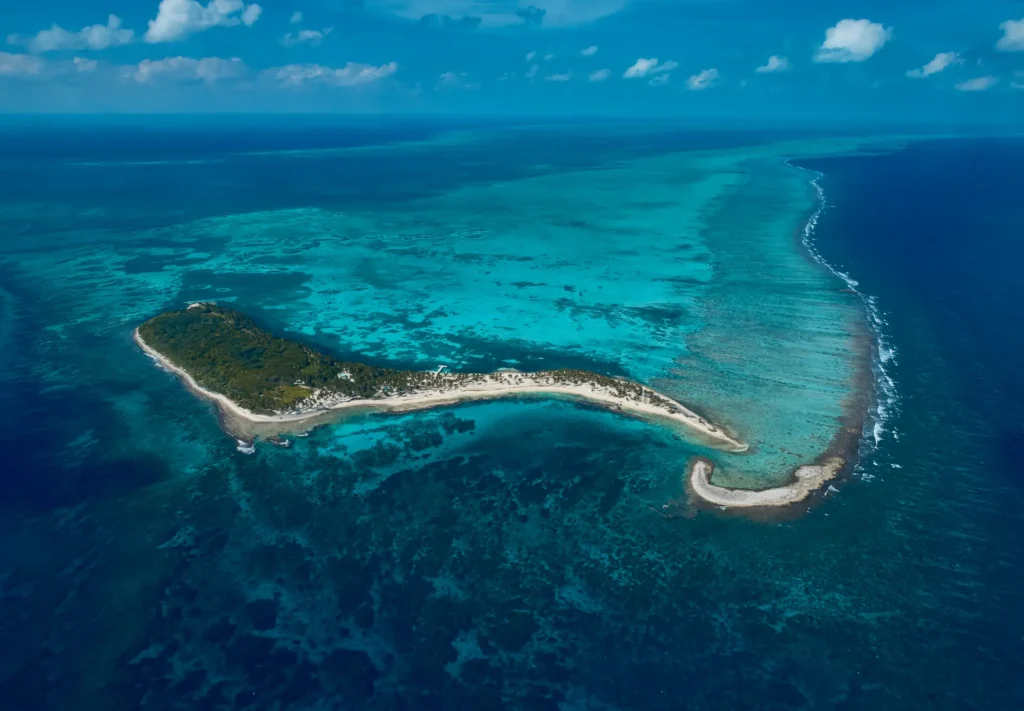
(498, 387)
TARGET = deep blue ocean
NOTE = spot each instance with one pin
(509, 555)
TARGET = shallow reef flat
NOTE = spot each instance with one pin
(509, 554)
(683, 271)
(499, 546)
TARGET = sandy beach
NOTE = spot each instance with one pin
(806, 480)
(493, 386)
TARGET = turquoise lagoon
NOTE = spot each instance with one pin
(494, 555)
(682, 270)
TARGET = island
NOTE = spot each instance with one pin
(257, 377)
(266, 386)
(806, 481)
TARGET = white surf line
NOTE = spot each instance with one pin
(887, 397)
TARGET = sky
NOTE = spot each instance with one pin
(876, 60)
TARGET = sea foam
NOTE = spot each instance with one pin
(887, 400)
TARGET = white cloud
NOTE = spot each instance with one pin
(600, 75)
(559, 77)
(32, 66)
(83, 66)
(703, 80)
(296, 18)
(942, 61)
(659, 79)
(1018, 82)
(456, 80)
(589, 51)
(645, 67)
(978, 84)
(177, 19)
(352, 74)
(532, 71)
(640, 68)
(530, 56)
(503, 13)
(852, 41)
(208, 69)
(548, 57)
(250, 14)
(305, 36)
(91, 37)
(774, 64)
(20, 65)
(1013, 36)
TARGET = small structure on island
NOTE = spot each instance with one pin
(439, 369)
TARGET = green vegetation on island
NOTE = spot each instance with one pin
(226, 352)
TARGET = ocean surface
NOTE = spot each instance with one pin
(857, 295)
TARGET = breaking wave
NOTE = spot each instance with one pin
(884, 358)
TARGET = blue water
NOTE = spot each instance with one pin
(506, 555)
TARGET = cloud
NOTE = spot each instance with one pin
(852, 41)
(250, 14)
(774, 64)
(12, 65)
(446, 22)
(978, 84)
(600, 75)
(177, 19)
(503, 13)
(644, 67)
(83, 66)
(532, 71)
(30, 66)
(530, 56)
(1018, 82)
(559, 77)
(183, 69)
(703, 80)
(352, 74)
(548, 57)
(91, 37)
(532, 15)
(589, 51)
(943, 60)
(660, 79)
(296, 18)
(1013, 36)
(455, 80)
(305, 36)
